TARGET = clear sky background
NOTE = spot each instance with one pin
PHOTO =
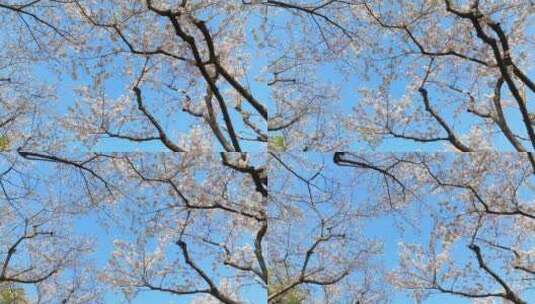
(382, 228)
(386, 228)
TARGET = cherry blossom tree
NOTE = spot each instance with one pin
(184, 63)
(316, 251)
(200, 226)
(477, 65)
(451, 72)
(481, 212)
(205, 226)
(193, 225)
(238, 93)
(439, 74)
(39, 253)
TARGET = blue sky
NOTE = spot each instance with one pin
(382, 228)
(389, 228)
(180, 123)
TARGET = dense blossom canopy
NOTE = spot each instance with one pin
(280, 151)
